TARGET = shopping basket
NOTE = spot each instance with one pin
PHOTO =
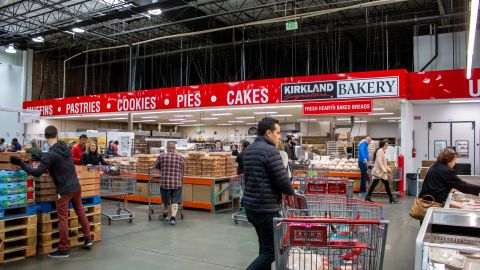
(329, 244)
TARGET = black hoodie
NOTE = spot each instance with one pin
(58, 161)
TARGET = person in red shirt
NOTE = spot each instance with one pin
(79, 149)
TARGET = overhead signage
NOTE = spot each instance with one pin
(377, 84)
(355, 88)
(338, 107)
(444, 84)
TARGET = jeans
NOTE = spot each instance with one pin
(363, 181)
(62, 212)
(263, 224)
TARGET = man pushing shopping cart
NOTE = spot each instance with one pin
(171, 166)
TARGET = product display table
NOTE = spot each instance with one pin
(205, 193)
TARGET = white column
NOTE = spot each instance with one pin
(406, 134)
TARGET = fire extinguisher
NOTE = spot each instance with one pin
(414, 152)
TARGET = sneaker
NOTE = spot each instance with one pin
(59, 254)
(88, 243)
(172, 221)
(164, 217)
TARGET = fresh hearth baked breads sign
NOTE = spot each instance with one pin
(378, 84)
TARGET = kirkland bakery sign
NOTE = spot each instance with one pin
(351, 89)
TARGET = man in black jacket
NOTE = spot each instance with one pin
(58, 161)
(265, 181)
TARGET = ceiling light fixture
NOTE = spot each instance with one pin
(192, 125)
(306, 120)
(283, 115)
(472, 29)
(209, 118)
(246, 117)
(182, 115)
(378, 109)
(149, 117)
(38, 39)
(224, 124)
(235, 121)
(363, 121)
(383, 113)
(221, 114)
(170, 124)
(464, 101)
(390, 118)
(346, 119)
(393, 121)
(78, 30)
(10, 49)
(251, 123)
(176, 119)
(108, 119)
(155, 12)
(189, 121)
(142, 121)
(264, 112)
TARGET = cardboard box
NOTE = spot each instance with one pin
(9, 167)
(187, 192)
(142, 189)
(201, 193)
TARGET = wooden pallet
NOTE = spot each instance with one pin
(76, 240)
(54, 235)
(52, 226)
(52, 216)
(18, 223)
(18, 238)
(17, 254)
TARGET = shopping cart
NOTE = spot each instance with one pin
(154, 192)
(237, 187)
(329, 244)
(326, 185)
(117, 181)
(327, 206)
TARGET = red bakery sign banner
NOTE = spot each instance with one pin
(371, 85)
(338, 107)
(443, 84)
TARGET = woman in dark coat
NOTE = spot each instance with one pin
(441, 178)
(91, 156)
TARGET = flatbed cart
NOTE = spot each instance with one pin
(329, 244)
(117, 181)
(237, 188)
(154, 192)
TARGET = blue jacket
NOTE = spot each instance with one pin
(363, 151)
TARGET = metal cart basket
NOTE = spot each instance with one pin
(154, 192)
(330, 244)
(326, 185)
(237, 188)
(117, 181)
(327, 206)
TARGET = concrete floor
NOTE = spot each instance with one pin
(201, 241)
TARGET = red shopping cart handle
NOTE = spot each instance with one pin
(328, 221)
